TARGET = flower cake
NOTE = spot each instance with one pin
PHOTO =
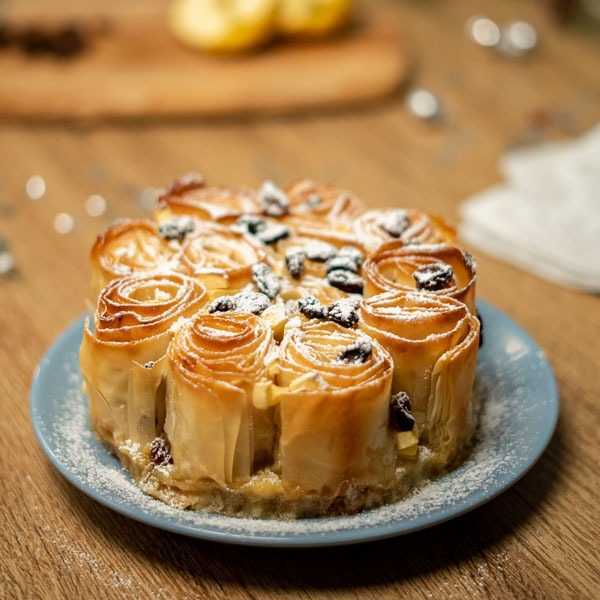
(281, 353)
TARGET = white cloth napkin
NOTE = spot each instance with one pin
(546, 216)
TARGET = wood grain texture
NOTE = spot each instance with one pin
(536, 540)
(136, 68)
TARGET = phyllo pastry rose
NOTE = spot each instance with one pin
(376, 227)
(333, 393)
(219, 257)
(192, 197)
(121, 359)
(217, 369)
(321, 209)
(440, 269)
(433, 341)
(279, 352)
(126, 248)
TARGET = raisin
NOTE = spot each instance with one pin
(176, 229)
(480, 329)
(149, 364)
(265, 280)
(65, 42)
(251, 224)
(357, 352)
(353, 253)
(68, 42)
(273, 233)
(319, 251)
(401, 412)
(274, 200)
(343, 312)
(346, 281)
(397, 224)
(433, 277)
(310, 307)
(6, 36)
(345, 263)
(222, 304)
(160, 452)
(252, 302)
(295, 263)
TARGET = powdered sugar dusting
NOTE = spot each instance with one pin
(508, 442)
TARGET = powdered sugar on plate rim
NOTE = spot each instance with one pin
(519, 413)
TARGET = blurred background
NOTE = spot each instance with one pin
(483, 111)
(407, 102)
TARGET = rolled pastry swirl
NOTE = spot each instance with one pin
(121, 359)
(333, 415)
(322, 210)
(377, 227)
(393, 267)
(217, 365)
(433, 341)
(222, 204)
(219, 257)
(126, 248)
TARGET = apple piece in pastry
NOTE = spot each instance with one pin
(433, 341)
(217, 369)
(333, 390)
(119, 359)
(376, 227)
(126, 248)
(439, 269)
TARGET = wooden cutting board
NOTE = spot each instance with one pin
(137, 69)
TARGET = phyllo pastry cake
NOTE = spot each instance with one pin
(281, 352)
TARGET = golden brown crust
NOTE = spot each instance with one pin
(409, 226)
(222, 204)
(393, 265)
(128, 247)
(235, 368)
(220, 257)
(433, 341)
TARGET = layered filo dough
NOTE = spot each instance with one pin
(217, 426)
(281, 353)
(121, 357)
(398, 267)
(333, 414)
(376, 227)
(433, 341)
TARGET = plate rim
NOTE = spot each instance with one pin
(351, 535)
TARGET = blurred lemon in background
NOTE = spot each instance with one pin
(237, 25)
(312, 17)
(223, 25)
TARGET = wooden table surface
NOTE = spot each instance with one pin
(539, 539)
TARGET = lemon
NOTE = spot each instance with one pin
(223, 25)
(312, 17)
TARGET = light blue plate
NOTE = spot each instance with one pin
(520, 410)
